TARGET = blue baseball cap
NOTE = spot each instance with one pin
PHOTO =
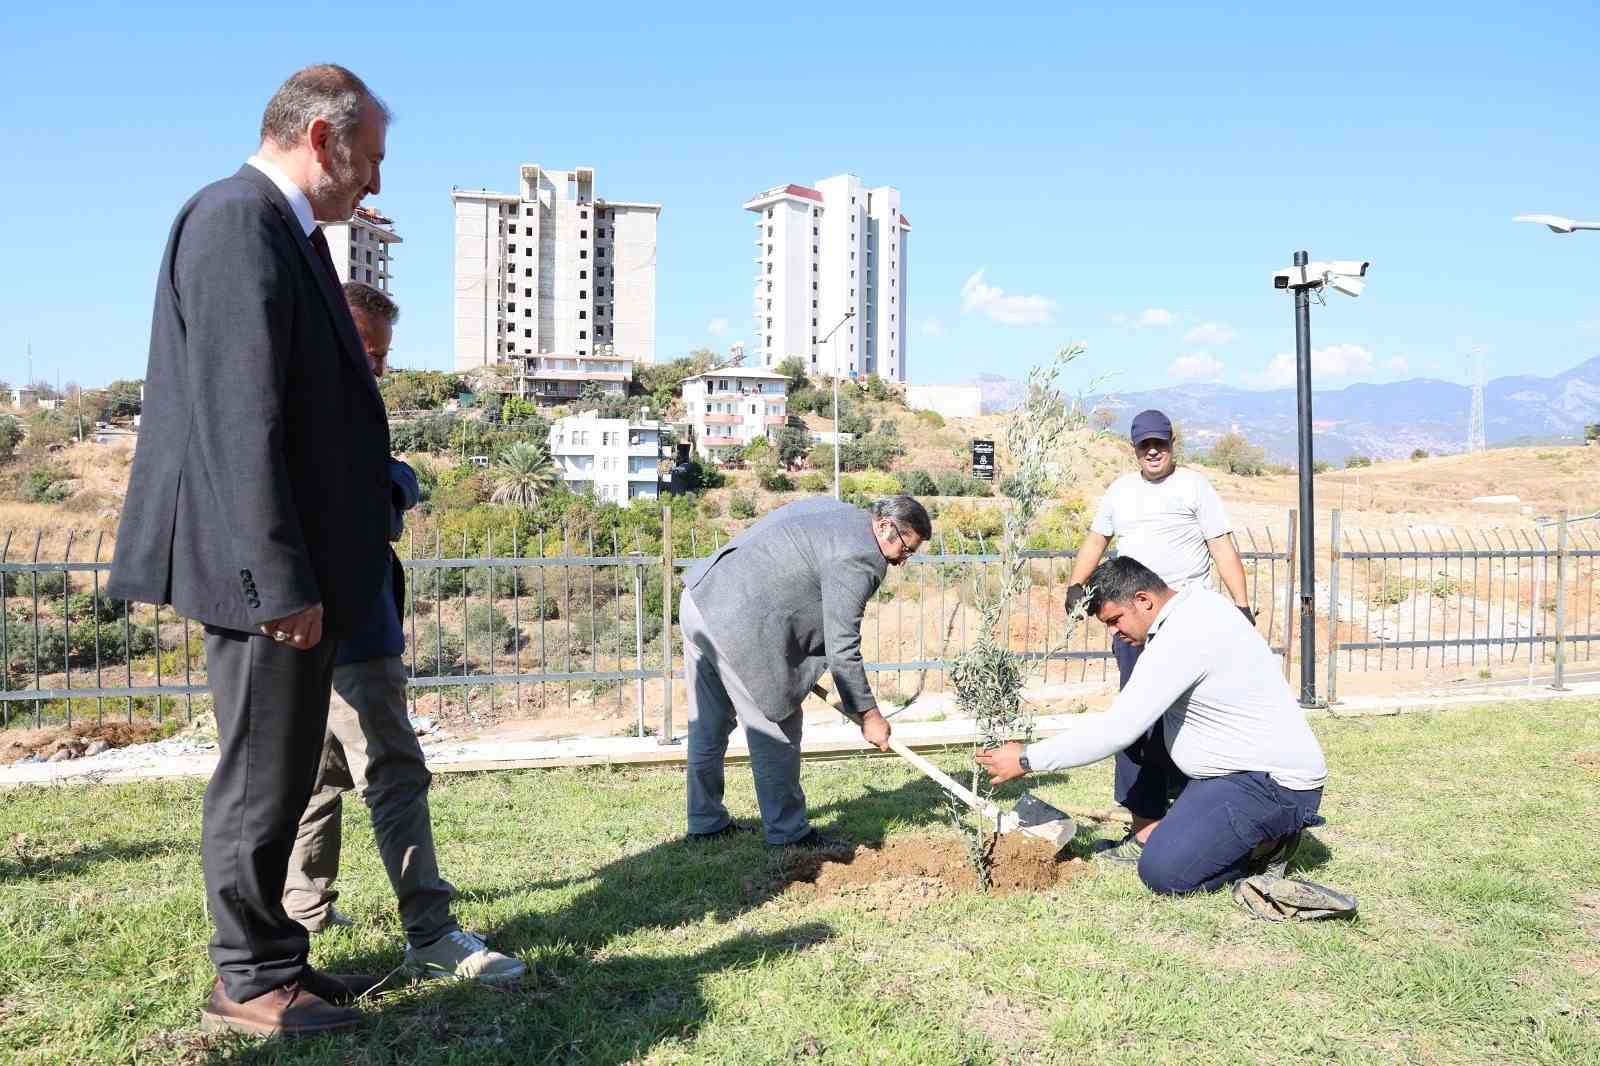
(1151, 425)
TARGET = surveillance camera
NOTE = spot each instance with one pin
(1347, 285)
(1350, 268)
(1298, 277)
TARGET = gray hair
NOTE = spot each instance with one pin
(906, 513)
(326, 91)
(371, 302)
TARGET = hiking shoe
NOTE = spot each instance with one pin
(1124, 852)
(1272, 858)
(732, 829)
(464, 955)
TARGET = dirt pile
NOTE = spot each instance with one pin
(908, 872)
(54, 744)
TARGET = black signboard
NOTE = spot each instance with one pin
(983, 460)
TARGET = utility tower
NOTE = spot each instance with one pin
(1477, 437)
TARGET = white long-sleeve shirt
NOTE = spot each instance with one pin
(1228, 708)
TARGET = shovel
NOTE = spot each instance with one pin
(1032, 815)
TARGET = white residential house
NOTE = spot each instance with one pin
(552, 269)
(731, 406)
(618, 459)
(362, 248)
(821, 252)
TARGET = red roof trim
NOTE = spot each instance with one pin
(801, 190)
(905, 222)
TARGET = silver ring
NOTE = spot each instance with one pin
(280, 636)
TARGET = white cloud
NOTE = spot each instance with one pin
(1334, 361)
(717, 327)
(1217, 333)
(1195, 366)
(1006, 310)
(1150, 316)
(932, 327)
(1399, 364)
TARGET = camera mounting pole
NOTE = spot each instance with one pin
(1308, 525)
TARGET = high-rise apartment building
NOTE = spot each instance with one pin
(822, 252)
(361, 247)
(553, 270)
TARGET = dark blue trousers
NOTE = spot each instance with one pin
(1145, 779)
(1205, 840)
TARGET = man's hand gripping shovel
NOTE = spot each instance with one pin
(1032, 815)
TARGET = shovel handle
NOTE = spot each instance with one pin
(945, 781)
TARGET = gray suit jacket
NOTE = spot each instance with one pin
(785, 599)
(261, 483)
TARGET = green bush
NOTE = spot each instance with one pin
(487, 627)
(1419, 453)
(917, 483)
(813, 481)
(771, 478)
(86, 607)
(740, 505)
(871, 484)
(933, 418)
(710, 508)
(1356, 461)
(10, 435)
(50, 583)
(45, 483)
(955, 483)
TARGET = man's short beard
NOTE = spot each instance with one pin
(337, 187)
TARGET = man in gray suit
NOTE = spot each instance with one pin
(762, 619)
(259, 505)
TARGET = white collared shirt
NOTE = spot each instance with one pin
(291, 192)
(1228, 708)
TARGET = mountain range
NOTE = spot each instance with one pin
(1383, 421)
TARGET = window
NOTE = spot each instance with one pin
(813, 249)
(369, 275)
(769, 268)
(583, 334)
(600, 233)
(583, 253)
(752, 408)
(527, 312)
(583, 214)
(583, 294)
(527, 333)
(510, 248)
(599, 331)
(769, 212)
(769, 286)
(813, 323)
(769, 305)
(527, 292)
(369, 255)
(583, 233)
(511, 307)
(527, 272)
(769, 231)
(583, 314)
(769, 249)
(599, 291)
(769, 323)
(582, 274)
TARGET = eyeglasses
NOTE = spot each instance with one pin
(897, 536)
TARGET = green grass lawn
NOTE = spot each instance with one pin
(1469, 836)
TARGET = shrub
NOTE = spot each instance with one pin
(813, 481)
(792, 444)
(1420, 453)
(740, 505)
(1320, 466)
(487, 626)
(49, 582)
(86, 607)
(877, 451)
(701, 476)
(933, 418)
(917, 483)
(10, 435)
(871, 484)
(771, 478)
(1356, 461)
(710, 508)
(46, 483)
(970, 521)
(1236, 455)
(437, 651)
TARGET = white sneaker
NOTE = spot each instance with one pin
(464, 955)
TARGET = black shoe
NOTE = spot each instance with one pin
(340, 989)
(815, 841)
(730, 830)
(1273, 857)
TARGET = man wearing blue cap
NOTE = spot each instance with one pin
(1172, 521)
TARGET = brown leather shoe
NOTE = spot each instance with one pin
(340, 989)
(289, 1010)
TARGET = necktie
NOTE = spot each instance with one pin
(320, 243)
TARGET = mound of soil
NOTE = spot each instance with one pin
(21, 743)
(913, 870)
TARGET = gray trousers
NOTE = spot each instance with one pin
(370, 747)
(717, 701)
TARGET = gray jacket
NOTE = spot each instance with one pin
(785, 599)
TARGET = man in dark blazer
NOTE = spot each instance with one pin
(258, 505)
(762, 619)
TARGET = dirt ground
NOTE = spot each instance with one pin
(20, 743)
(906, 873)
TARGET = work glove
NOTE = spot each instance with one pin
(1075, 594)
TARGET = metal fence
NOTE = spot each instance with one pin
(555, 626)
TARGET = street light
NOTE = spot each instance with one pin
(1557, 223)
(848, 315)
(1341, 275)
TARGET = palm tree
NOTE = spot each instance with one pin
(522, 474)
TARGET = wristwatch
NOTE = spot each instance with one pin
(1022, 761)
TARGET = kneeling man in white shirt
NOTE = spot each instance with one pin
(1253, 771)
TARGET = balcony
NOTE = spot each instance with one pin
(644, 447)
(723, 420)
(777, 420)
(722, 442)
(644, 475)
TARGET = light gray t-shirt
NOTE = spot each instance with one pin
(1228, 708)
(1164, 524)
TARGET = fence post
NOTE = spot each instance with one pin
(1561, 605)
(1333, 608)
(1288, 603)
(666, 626)
(638, 640)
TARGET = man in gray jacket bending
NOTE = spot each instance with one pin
(762, 620)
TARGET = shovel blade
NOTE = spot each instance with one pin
(1039, 819)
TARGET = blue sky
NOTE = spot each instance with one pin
(1127, 175)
